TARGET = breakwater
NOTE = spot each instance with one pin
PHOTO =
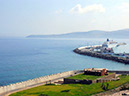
(29, 83)
(89, 52)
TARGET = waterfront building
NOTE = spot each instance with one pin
(96, 72)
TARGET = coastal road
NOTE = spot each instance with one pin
(35, 85)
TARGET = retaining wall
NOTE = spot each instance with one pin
(108, 78)
(113, 75)
(75, 81)
(119, 72)
(20, 85)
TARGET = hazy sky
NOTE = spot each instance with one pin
(26, 17)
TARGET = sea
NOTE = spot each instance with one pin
(27, 58)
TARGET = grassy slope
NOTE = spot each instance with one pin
(70, 89)
(82, 76)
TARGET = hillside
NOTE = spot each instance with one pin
(90, 34)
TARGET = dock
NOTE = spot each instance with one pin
(88, 50)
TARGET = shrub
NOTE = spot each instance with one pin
(43, 95)
(65, 90)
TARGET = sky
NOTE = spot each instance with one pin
(40, 17)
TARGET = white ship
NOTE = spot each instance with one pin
(110, 44)
(107, 47)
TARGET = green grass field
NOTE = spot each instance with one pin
(82, 76)
(70, 89)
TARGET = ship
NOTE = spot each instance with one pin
(107, 46)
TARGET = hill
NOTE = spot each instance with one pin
(90, 34)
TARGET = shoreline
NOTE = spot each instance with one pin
(12, 88)
(32, 86)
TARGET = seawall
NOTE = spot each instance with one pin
(29, 83)
(119, 72)
(88, 52)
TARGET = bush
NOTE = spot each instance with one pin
(124, 87)
(65, 90)
(49, 84)
(43, 95)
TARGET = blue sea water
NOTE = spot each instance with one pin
(24, 58)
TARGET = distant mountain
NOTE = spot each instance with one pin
(90, 34)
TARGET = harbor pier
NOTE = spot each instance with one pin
(105, 51)
(88, 50)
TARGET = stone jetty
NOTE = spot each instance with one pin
(88, 50)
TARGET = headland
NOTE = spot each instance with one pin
(90, 81)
